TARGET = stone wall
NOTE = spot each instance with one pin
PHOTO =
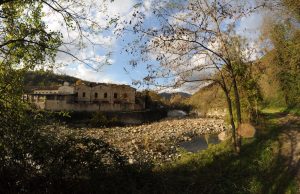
(102, 92)
(83, 93)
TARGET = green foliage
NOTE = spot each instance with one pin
(286, 60)
(280, 77)
(250, 93)
(24, 39)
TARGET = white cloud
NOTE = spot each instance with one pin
(120, 7)
(147, 4)
(83, 72)
(250, 26)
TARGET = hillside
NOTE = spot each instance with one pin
(168, 96)
(35, 79)
(46, 78)
(210, 96)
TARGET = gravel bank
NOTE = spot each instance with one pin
(156, 141)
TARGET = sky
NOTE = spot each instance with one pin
(110, 47)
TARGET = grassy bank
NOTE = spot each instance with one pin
(274, 109)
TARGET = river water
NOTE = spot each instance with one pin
(199, 143)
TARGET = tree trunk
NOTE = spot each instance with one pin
(237, 106)
(230, 111)
(238, 112)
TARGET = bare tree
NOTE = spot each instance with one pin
(194, 41)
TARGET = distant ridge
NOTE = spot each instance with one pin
(168, 96)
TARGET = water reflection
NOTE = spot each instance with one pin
(199, 143)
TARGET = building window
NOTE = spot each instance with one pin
(125, 95)
(76, 94)
(60, 98)
(96, 95)
(50, 97)
(83, 94)
(105, 95)
(115, 95)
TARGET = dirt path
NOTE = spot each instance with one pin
(289, 140)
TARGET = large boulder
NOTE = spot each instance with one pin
(223, 136)
(246, 130)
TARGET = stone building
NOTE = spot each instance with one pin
(86, 97)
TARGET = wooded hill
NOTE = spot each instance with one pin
(33, 79)
(46, 78)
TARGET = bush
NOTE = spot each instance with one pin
(36, 159)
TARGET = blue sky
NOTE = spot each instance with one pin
(110, 43)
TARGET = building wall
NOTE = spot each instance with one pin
(124, 94)
(103, 94)
(83, 93)
(66, 90)
(109, 93)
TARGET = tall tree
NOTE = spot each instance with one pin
(283, 33)
(194, 41)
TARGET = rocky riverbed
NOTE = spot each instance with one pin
(156, 141)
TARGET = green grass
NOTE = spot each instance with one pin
(272, 110)
(281, 109)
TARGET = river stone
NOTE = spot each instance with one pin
(155, 141)
(246, 130)
(130, 161)
(222, 136)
